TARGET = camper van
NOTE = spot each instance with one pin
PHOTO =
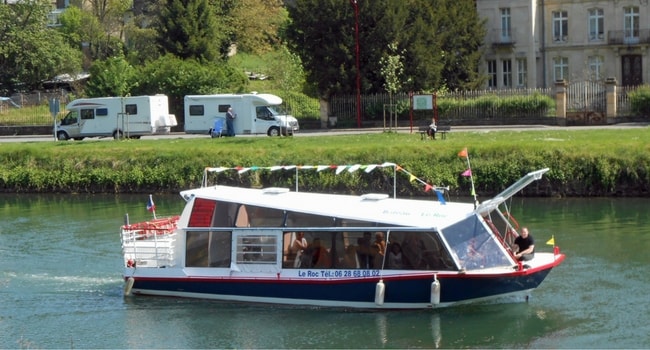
(255, 114)
(116, 117)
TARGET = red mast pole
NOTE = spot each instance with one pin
(356, 32)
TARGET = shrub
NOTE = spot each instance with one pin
(640, 100)
(490, 106)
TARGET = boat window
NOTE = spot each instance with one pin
(207, 249)
(262, 217)
(502, 227)
(474, 244)
(321, 252)
(359, 250)
(256, 249)
(295, 219)
(209, 213)
(242, 217)
(419, 251)
(355, 223)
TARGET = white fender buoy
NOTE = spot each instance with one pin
(380, 291)
(435, 291)
(128, 286)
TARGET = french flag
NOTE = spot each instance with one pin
(150, 205)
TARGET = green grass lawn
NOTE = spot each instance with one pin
(599, 158)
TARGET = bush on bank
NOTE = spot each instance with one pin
(603, 162)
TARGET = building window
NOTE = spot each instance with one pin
(507, 73)
(505, 25)
(522, 72)
(560, 68)
(595, 67)
(492, 73)
(560, 26)
(631, 25)
(596, 25)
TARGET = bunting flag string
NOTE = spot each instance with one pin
(338, 169)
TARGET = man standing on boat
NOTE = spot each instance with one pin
(525, 245)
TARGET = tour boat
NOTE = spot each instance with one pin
(369, 251)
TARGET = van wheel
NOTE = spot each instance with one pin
(274, 131)
(118, 135)
(62, 136)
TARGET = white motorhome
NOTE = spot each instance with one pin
(256, 114)
(116, 117)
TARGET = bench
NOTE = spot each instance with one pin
(441, 129)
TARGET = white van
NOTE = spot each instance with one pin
(256, 114)
(116, 117)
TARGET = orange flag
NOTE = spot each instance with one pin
(463, 153)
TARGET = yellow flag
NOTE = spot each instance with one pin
(551, 241)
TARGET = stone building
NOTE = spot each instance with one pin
(534, 43)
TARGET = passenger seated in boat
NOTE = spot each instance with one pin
(378, 250)
(395, 259)
(320, 257)
(413, 249)
(350, 260)
(364, 251)
(297, 248)
(524, 246)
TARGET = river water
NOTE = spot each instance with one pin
(61, 287)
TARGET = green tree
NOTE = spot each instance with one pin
(30, 52)
(286, 70)
(392, 69)
(188, 29)
(84, 30)
(461, 32)
(441, 39)
(140, 42)
(322, 33)
(111, 77)
(176, 78)
(256, 24)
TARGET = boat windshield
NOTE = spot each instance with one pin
(474, 244)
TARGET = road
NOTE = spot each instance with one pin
(324, 132)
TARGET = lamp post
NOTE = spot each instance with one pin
(356, 39)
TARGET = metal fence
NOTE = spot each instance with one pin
(375, 106)
(623, 105)
(30, 109)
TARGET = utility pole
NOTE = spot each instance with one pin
(356, 32)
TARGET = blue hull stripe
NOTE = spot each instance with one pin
(416, 289)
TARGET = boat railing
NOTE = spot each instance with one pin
(149, 243)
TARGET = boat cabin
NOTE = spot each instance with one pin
(255, 234)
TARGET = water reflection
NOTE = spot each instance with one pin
(223, 325)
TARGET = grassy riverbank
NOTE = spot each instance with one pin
(594, 162)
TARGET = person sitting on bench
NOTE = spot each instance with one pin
(431, 132)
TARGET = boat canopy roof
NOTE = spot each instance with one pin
(369, 207)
